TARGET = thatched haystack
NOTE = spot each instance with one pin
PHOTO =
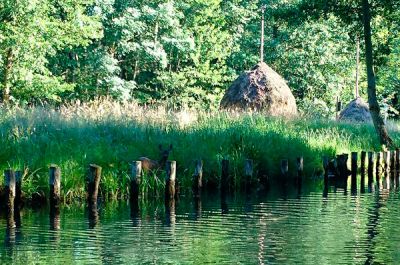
(356, 111)
(260, 89)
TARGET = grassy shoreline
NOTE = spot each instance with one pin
(111, 135)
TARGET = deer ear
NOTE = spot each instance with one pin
(170, 147)
(160, 147)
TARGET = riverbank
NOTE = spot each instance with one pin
(112, 135)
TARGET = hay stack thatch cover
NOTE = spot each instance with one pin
(261, 89)
(356, 111)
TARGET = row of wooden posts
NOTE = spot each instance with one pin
(13, 180)
(384, 162)
(387, 162)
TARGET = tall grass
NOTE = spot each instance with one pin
(112, 134)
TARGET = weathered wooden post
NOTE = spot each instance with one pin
(392, 160)
(9, 180)
(362, 168)
(170, 180)
(135, 178)
(379, 156)
(354, 157)
(197, 178)
(18, 191)
(94, 181)
(55, 185)
(370, 169)
(284, 167)
(386, 162)
(300, 169)
(248, 173)
(325, 163)
(224, 177)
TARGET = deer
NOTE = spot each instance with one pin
(154, 165)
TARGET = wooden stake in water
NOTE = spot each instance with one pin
(9, 181)
(55, 185)
(135, 178)
(386, 162)
(18, 191)
(354, 157)
(378, 167)
(325, 163)
(370, 168)
(362, 168)
(197, 178)
(170, 180)
(94, 181)
(300, 167)
(248, 173)
(284, 167)
(224, 177)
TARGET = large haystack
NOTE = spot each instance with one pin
(260, 89)
(356, 111)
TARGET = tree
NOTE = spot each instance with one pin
(372, 98)
(30, 32)
(357, 15)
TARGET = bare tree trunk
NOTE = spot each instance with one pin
(372, 99)
(8, 64)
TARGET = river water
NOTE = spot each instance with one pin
(276, 228)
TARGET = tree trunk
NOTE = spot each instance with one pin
(8, 64)
(372, 99)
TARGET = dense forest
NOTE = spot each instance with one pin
(187, 52)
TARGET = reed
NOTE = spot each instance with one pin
(112, 134)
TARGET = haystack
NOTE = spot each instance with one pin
(356, 111)
(260, 89)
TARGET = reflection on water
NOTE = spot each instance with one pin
(319, 225)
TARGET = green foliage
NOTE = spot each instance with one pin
(187, 52)
(31, 31)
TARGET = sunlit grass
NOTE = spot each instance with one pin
(111, 135)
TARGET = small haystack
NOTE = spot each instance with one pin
(260, 89)
(356, 111)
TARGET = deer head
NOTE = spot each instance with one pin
(164, 153)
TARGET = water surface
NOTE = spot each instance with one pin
(289, 228)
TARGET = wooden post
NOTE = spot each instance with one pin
(135, 178)
(9, 181)
(18, 191)
(325, 162)
(224, 177)
(392, 161)
(284, 167)
(379, 156)
(362, 168)
(248, 173)
(300, 167)
(55, 185)
(94, 181)
(354, 157)
(370, 168)
(386, 161)
(170, 180)
(197, 178)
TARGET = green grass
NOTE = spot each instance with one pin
(111, 135)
